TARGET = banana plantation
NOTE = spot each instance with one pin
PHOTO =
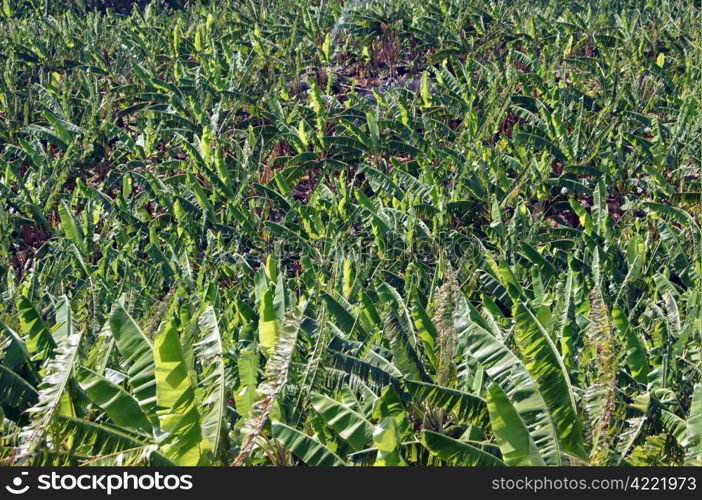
(351, 232)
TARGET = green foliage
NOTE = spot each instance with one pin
(350, 233)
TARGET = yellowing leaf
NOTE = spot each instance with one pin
(660, 60)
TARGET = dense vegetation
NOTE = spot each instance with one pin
(366, 232)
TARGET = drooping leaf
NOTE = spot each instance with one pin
(349, 424)
(458, 453)
(305, 447)
(122, 408)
